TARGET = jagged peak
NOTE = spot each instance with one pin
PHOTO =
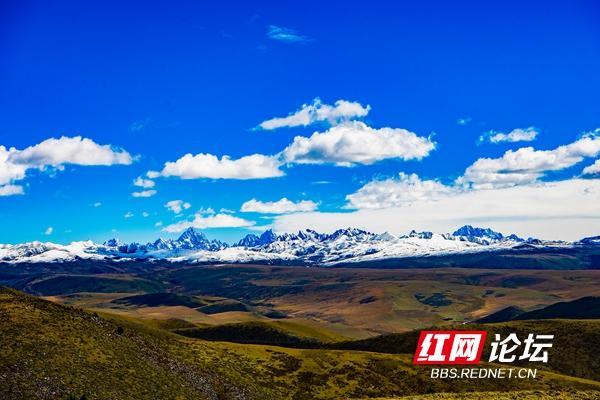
(471, 231)
(192, 233)
(113, 242)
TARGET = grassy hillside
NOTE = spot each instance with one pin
(520, 395)
(159, 299)
(51, 351)
(574, 349)
(506, 314)
(355, 303)
(250, 332)
(57, 352)
(584, 308)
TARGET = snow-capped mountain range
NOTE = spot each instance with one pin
(306, 247)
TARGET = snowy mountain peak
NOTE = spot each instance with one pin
(192, 239)
(350, 233)
(305, 247)
(252, 240)
(112, 242)
(420, 235)
(590, 241)
(470, 231)
(484, 236)
(192, 235)
(386, 237)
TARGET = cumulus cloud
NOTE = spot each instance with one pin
(567, 210)
(355, 142)
(204, 221)
(153, 174)
(97, 204)
(281, 206)
(516, 135)
(255, 166)
(11, 190)
(128, 214)
(286, 35)
(526, 165)
(346, 143)
(464, 121)
(143, 183)
(70, 150)
(308, 114)
(177, 206)
(396, 192)
(592, 169)
(9, 170)
(49, 231)
(144, 193)
(56, 153)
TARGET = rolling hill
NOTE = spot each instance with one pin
(584, 308)
(52, 351)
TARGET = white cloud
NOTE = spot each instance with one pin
(70, 150)
(203, 221)
(143, 183)
(177, 206)
(97, 204)
(285, 34)
(128, 214)
(308, 114)
(526, 165)
(397, 192)
(144, 193)
(206, 211)
(260, 228)
(153, 174)
(567, 210)
(346, 144)
(158, 223)
(10, 171)
(11, 190)
(592, 169)
(55, 153)
(255, 166)
(281, 206)
(49, 231)
(464, 121)
(355, 142)
(516, 135)
(145, 214)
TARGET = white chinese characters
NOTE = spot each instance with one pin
(535, 349)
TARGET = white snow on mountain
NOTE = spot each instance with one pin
(35, 252)
(306, 247)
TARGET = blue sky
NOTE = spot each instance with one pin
(159, 81)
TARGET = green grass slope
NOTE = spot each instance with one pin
(51, 351)
(584, 308)
(574, 350)
(160, 299)
(520, 395)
